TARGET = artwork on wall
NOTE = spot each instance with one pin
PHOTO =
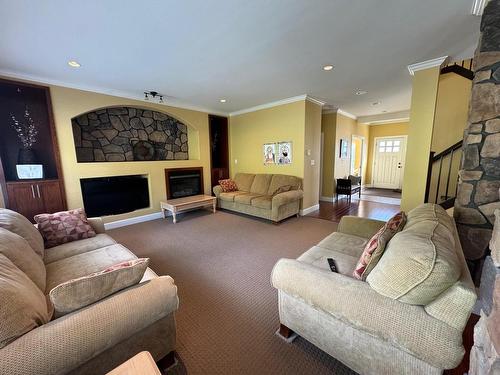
(344, 146)
(284, 153)
(269, 153)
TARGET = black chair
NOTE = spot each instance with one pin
(348, 186)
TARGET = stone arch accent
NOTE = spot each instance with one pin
(126, 133)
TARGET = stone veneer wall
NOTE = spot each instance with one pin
(477, 196)
(129, 134)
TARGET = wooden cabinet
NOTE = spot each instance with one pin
(219, 148)
(30, 198)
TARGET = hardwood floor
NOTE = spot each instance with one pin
(374, 210)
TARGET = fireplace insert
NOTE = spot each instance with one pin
(114, 195)
(184, 182)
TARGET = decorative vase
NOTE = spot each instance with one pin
(26, 156)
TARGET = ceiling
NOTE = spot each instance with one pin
(248, 52)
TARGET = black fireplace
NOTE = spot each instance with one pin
(114, 195)
(183, 182)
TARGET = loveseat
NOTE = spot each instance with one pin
(96, 338)
(259, 195)
(409, 314)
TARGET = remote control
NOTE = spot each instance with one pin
(331, 263)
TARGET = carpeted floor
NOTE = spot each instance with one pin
(228, 311)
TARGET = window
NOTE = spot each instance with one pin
(389, 146)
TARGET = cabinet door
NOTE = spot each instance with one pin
(23, 198)
(51, 195)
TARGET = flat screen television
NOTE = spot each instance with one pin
(114, 195)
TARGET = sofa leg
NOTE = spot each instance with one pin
(167, 361)
(286, 334)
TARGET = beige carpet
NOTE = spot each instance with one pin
(228, 310)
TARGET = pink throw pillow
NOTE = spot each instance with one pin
(228, 185)
(375, 248)
(65, 226)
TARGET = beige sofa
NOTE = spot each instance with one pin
(256, 196)
(407, 318)
(97, 338)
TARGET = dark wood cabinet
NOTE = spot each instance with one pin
(219, 148)
(29, 197)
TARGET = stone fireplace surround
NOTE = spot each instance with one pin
(129, 134)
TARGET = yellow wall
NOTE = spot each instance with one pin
(329, 129)
(312, 147)
(382, 130)
(357, 144)
(298, 122)
(423, 103)
(68, 103)
(452, 106)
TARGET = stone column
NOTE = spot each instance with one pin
(477, 196)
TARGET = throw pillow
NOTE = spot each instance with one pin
(375, 247)
(228, 185)
(83, 291)
(23, 306)
(65, 226)
(282, 189)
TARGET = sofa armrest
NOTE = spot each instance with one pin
(65, 343)
(287, 197)
(354, 302)
(359, 226)
(97, 224)
(217, 190)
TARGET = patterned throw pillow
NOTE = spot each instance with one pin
(77, 293)
(228, 185)
(64, 226)
(375, 247)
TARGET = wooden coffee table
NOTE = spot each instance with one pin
(186, 203)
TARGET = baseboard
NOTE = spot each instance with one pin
(308, 210)
(132, 220)
(327, 199)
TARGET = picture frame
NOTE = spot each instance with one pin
(29, 171)
(269, 153)
(285, 155)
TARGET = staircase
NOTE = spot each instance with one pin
(442, 175)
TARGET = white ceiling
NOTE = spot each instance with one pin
(249, 52)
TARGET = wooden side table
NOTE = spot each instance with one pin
(186, 203)
(140, 364)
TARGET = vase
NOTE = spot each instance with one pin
(26, 156)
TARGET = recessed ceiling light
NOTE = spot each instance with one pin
(361, 92)
(375, 103)
(223, 100)
(74, 64)
(328, 67)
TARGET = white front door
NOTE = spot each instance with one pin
(388, 162)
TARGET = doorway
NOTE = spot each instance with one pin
(357, 155)
(219, 148)
(388, 162)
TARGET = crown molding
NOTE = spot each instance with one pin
(276, 103)
(426, 64)
(111, 92)
(346, 114)
(385, 118)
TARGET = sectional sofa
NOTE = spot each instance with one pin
(259, 195)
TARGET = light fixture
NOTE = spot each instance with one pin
(223, 100)
(361, 92)
(328, 67)
(74, 64)
(376, 103)
(153, 95)
(478, 7)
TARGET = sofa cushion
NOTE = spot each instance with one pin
(420, 262)
(279, 180)
(23, 306)
(244, 181)
(228, 185)
(65, 226)
(344, 243)
(245, 198)
(77, 247)
(261, 183)
(376, 245)
(317, 256)
(21, 226)
(75, 294)
(23, 256)
(264, 201)
(229, 197)
(86, 263)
